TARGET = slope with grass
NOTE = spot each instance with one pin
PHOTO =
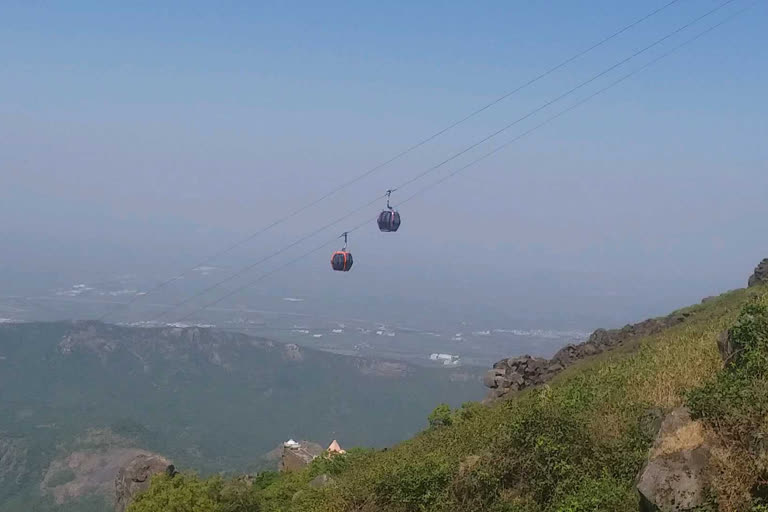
(575, 444)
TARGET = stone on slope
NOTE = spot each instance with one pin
(760, 276)
(674, 478)
(135, 477)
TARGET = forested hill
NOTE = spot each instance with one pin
(209, 400)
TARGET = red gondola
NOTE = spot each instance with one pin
(342, 260)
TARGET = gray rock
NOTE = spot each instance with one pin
(515, 378)
(499, 392)
(589, 349)
(135, 477)
(600, 337)
(323, 480)
(565, 355)
(489, 380)
(760, 276)
(674, 478)
(292, 352)
(536, 363)
(554, 368)
(500, 365)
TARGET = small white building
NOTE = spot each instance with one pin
(444, 358)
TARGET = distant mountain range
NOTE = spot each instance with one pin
(79, 396)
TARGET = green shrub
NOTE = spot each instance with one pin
(735, 407)
(415, 486)
(736, 402)
(441, 416)
(599, 495)
(189, 493)
(468, 411)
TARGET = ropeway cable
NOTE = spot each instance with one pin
(399, 155)
(474, 162)
(460, 153)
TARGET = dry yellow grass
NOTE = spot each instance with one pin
(609, 425)
(681, 359)
(732, 477)
(687, 437)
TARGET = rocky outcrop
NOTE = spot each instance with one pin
(295, 457)
(760, 276)
(675, 478)
(90, 468)
(135, 477)
(321, 481)
(292, 352)
(518, 373)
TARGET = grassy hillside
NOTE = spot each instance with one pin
(574, 445)
(209, 400)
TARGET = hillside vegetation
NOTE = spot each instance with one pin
(574, 445)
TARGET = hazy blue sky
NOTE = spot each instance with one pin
(132, 134)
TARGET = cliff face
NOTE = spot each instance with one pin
(135, 476)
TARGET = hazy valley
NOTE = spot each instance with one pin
(82, 395)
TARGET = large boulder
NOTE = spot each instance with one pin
(761, 274)
(321, 481)
(675, 478)
(491, 379)
(135, 477)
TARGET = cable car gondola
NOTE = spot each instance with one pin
(389, 219)
(342, 260)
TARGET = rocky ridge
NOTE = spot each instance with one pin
(517, 373)
(760, 276)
